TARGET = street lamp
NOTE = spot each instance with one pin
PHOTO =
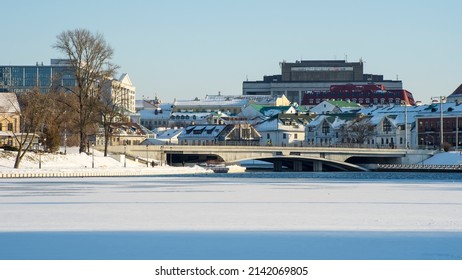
(93, 155)
(441, 99)
(65, 140)
(125, 153)
(147, 155)
(405, 125)
(40, 155)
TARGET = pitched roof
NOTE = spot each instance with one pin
(458, 90)
(9, 103)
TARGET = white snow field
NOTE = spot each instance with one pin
(340, 216)
(229, 203)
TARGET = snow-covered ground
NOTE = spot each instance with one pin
(449, 158)
(73, 161)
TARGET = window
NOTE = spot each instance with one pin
(284, 136)
(267, 136)
(10, 127)
(325, 128)
(386, 126)
(295, 136)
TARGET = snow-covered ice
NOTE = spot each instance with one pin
(229, 216)
(228, 203)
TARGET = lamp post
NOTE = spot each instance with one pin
(147, 155)
(457, 133)
(405, 125)
(93, 155)
(40, 155)
(441, 99)
(125, 153)
(65, 140)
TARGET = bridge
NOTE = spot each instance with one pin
(292, 158)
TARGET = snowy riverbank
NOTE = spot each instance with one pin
(74, 164)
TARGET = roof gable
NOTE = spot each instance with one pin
(9, 103)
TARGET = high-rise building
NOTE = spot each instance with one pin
(21, 78)
(60, 75)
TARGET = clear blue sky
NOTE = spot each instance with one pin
(188, 49)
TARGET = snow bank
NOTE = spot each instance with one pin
(74, 163)
(445, 158)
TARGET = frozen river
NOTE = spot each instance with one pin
(250, 215)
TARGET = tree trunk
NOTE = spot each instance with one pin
(106, 141)
(82, 134)
(18, 159)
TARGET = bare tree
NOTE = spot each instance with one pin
(90, 57)
(357, 130)
(111, 109)
(33, 108)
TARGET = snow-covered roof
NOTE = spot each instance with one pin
(191, 115)
(210, 103)
(397, 111)
(256, 99)
(335, 121)
(9, 103)
(202, 131)
(170, 133)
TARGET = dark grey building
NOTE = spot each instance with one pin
(300, 77)
(321, 70)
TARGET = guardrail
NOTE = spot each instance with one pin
(420, 167)
(117, 173)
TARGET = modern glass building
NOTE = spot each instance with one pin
(17, 79)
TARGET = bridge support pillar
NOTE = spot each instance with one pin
(277, 166)
(298, 166)
(317, 166)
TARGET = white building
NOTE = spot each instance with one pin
(335, 107)
(283, 130)
(122, 92)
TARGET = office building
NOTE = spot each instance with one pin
(18, 79)
(304, 77)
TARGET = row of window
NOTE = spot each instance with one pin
(9, 127)
(383, 141)
(284, 135)
(396, 101)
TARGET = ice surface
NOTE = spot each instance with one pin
(229, 203)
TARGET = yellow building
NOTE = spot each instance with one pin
(9, 118)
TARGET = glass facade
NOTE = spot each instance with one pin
(22, 78)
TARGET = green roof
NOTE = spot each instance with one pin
(264, 108)
(344, 104)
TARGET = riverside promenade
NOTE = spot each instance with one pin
(74, 164)
(131, 172)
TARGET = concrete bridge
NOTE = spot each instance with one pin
(293, 158)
